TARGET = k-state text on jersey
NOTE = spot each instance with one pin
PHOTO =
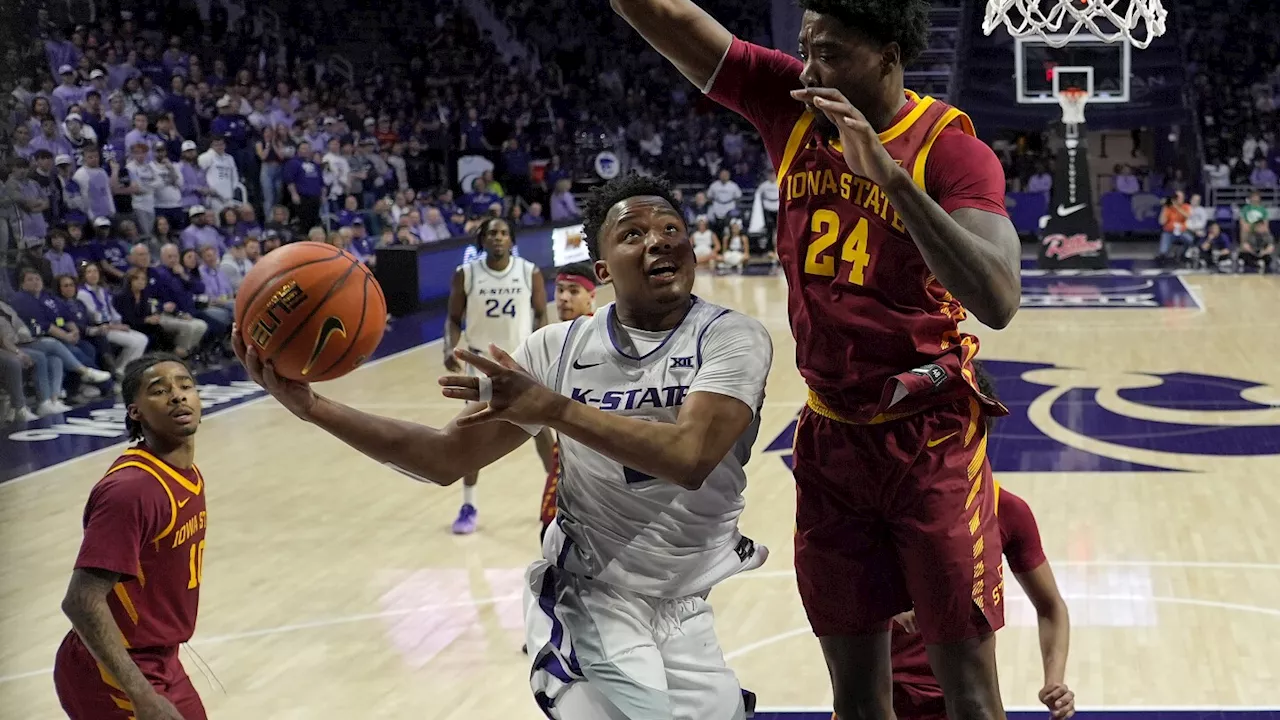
(633, 399)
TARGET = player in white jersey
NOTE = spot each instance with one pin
(497, 299)
(656, 400)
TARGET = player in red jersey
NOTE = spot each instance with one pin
(891, 223)
(575, 297)
(916, 693)
(136, 585)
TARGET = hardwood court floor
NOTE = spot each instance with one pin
(333, 588)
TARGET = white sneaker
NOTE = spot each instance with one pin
(25, 415)
(49, 407)
(60, 406)
(89, 392)
(95, 376)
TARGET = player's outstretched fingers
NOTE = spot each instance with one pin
(480, 362)
(504, 358)
(460, 387)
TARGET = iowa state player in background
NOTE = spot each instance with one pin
(136, 584)
(916, 693)
(891, 225)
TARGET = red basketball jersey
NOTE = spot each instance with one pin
(145, 520)
(876, 334)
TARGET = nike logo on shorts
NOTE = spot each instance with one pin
(939, 441)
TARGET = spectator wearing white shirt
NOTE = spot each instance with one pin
(724, 194)
(221, 173)
(1217, 174)
(147, 179)
(168, 194)
(764, 213)
(1198, 220)
(337, 170)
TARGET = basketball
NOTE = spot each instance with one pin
(315, 311)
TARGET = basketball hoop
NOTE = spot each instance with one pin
(1073, 102)
(1108, 20)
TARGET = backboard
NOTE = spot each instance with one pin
(1039, 69)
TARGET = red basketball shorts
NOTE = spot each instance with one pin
(88, 692)
(896, 515)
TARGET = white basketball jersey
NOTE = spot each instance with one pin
(499, 304)
(619, 525)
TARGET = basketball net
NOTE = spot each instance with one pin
(1073, 102)
(1109, 20)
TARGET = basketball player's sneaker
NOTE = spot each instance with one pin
(466, 522)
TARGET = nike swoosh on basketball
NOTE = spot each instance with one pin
(939, 441)
(183, 503)
(579, 366)
(1064, 211)
(332, 324)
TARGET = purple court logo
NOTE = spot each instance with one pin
(1073, 420)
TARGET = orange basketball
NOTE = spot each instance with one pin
(313, 310)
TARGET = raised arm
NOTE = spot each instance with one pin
(682, 32)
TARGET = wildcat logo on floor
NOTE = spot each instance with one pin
(1070, 420)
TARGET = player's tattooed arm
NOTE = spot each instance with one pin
(539, 300)
(453, 319)
(86, 606)
(682, 32)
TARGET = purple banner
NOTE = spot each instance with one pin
(1120, 213)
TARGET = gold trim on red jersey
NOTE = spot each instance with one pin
(794, 142)
(173, 502)
(903, 125)
(177, 477)
(950, 116)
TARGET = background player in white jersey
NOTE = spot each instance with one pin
(221, 174)
(497, 299)
(657, 405)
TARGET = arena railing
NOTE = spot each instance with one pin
(1236, 195)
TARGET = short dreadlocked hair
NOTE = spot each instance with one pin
(613, 192)
(484, 228)
(132, 383)
(986, 385)
(905, 22)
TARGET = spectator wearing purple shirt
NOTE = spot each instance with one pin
(22, 142)
(563, 205)
(50, 139)
(31, 202)
(477, 201)
(66, 94)
(1126, 182)
(216, 285)
(141, 135)
(97, 185)
(472, 137)
(1262, 176)
(304, 181)
(195, 184)
(60, 261)
(1042, 181)
(200, 233)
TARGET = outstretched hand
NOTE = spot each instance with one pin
(863, 152)
(296, 396)
(516, 396)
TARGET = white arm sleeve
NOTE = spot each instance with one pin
(539, 355)
(736, 355)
